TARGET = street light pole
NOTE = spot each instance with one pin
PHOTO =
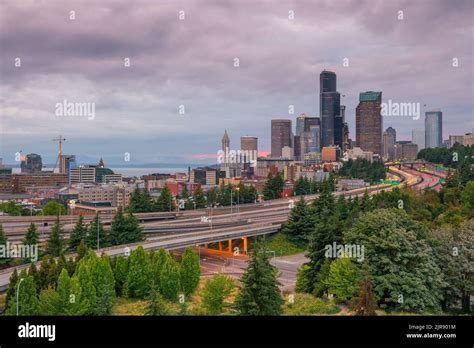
(98, 224)
(17, 294)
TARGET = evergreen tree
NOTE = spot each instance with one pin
(118, 229)
(120, 273)
(48, 273)
(33, 272)
(365, 303)
(138, 278)
(55, 242)
(11, 287)
(156, 303)
(88, 292)
(49, 303)
(78, 233)
(170, 279)
(300, 223)
(190, 271)
(259, 294)
(133, 231)
(273, 187)
(326, 232)
(215, 292)
(3, 243)
(27, 297)
(158, 261)
(96, 229)
(31, 237)
(199, 198)
(165, 201)
(81, 250)
(140, 201)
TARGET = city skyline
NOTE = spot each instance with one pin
(82, 60)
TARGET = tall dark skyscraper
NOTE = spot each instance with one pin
(281, 136)
(369, 122)
(329, 109)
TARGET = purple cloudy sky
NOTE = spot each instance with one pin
(190, 62)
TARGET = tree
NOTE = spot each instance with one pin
(158, 260)
(190, 271)
(259, 294)
(165, 201)
(140, 201)
(300, 223)
(326, 232)
(54, 245)
(88, 292)
(4, 244)
(133, 231)
(33, 271)
(467, 198)
(273, 187)
(343, 278)
(11, 287)
(53, 207)
(139, 274)
(170, 279)
(453, 252)
(400, 260)
(49, 302)
(78, 303)
(120, 273)
(103, 280)
(97, 234)
(216, 290)
(81, 251)
(31, 237)
(78, 233)
(156, 303)
(27, 297)
(199, 198)
(118, 229)
(365, 303)
(48, 273)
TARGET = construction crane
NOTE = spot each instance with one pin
(60, 153)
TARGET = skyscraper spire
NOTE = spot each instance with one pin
(225, 141)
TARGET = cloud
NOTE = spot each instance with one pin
(190, 63)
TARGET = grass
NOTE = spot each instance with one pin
(306, 304)
(282, 245)
(129, 306)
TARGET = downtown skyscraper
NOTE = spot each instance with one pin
(369, 122)
(433, 129)
(330, 110)
(281, 136)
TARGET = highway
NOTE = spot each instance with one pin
(204, 226)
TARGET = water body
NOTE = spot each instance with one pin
(134, 171)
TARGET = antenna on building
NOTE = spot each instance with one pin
(60, 140)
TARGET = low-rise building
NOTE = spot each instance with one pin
(350, 184)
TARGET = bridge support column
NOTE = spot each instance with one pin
(245, 245)
(230, 245)
(220, 246)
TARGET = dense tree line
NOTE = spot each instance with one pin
(448, 157)
(363, 169)
(223, 195)
(408, 241)
(89, 284)
(305, 186)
